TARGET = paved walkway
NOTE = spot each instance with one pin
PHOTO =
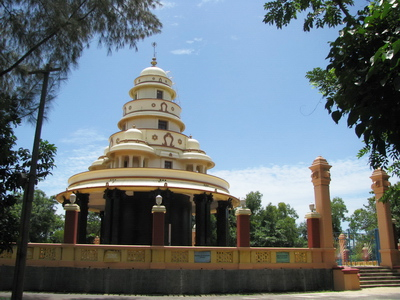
(370, 293)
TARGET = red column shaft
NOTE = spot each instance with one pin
(243, 230)
(313, 233)
(158, 229)
(71, 227)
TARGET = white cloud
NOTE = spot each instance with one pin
(81, 149)
(182, 51)
(84, 136)
(194, 40)
(234, 38)
(292, 184)
(202, 2)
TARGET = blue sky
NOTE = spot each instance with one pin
(242, 87)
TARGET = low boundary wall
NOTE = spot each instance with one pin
(169, 270)
(156, 281)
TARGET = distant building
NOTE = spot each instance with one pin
(151, 156)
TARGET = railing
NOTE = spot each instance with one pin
(357, 249)
(168, 257)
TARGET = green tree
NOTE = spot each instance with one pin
(40, 32)
(364, 219)
(273, 226)
(45, 223)
(253, 201)
(339, 210)
(13, 164)
(362, 79)
(93, 226)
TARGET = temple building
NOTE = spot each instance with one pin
(150, 156)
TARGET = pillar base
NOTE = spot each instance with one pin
(390, 257)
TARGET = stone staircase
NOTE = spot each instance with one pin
(378, 277)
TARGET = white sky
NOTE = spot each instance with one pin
(242, 87)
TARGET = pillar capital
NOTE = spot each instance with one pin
(158, 209)
(320, 171)
(243, 211)
(72, 207)
(312, 215)
(380, 182)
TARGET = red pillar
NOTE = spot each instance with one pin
(243, 227)
(158, 225)
(313, 232)
(71, 223)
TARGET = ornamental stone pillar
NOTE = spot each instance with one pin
(71, 223)
(321, 179)
(389, 253)
(243, 227)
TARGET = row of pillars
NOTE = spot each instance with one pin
(242, 214)
(319, 222)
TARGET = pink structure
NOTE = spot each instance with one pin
(321, 179)
(389, 254)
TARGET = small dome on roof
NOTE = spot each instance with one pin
(133, 134)
(193, 144)
(153, 70)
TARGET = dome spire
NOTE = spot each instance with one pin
(154, 60)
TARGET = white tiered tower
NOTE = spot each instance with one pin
(150, 155)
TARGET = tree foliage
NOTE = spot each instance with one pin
(319, 13)
(364, 219)
(45, 223)
(36, 33)
(93, 226)
(274, 225)
(362, 79)
(13, 164)
(339, 210)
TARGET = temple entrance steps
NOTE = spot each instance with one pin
(378, 277)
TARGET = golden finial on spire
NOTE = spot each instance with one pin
(154, 60)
